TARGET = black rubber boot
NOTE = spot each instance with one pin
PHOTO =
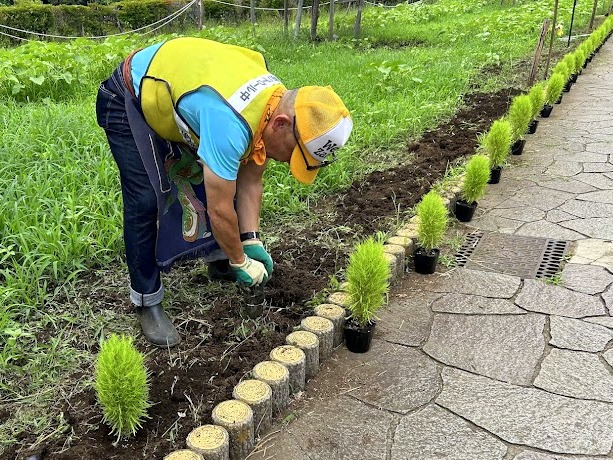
(220, 271)
(157, 327)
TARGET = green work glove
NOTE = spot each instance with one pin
(250, 272)
(255, 250)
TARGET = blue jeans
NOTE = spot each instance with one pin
(139, 199)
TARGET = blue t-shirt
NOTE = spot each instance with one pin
(224, 138)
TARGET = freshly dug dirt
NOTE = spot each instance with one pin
(206, 371)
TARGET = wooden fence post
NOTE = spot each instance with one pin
(331, 22)
(358, 20)
(593, 15)
(298, 18)
(252, 15)
(285, 17)
(200, 14)
(314, 19)
(553, 33)
(538, 52)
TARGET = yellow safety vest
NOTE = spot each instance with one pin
(183, 65)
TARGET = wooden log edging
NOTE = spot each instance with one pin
(309, 344)
(336, 314)
(212, 442)
(236, 417)
(277, 376)
(294, 359)
(183, 454)
(324, 330)
(257, 395)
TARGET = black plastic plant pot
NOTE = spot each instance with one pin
(560, 99)
(568, 85)
(546, 110)
(464, 211)
(518, 147)
(495, 175)
(532, 126)
(425, 261)
(357, 338)
(573, 77)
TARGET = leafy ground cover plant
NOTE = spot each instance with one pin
(496, 143)
(368, 281)
(519, 116)
(475, 179)
(433, 220)
(122, 386)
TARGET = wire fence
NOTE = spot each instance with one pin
(154, 26)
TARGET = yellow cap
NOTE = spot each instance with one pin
(323, 125)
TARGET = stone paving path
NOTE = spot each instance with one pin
(480, 365)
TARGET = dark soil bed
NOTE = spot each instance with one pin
(204, 371)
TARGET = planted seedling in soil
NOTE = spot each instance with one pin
(122, 385)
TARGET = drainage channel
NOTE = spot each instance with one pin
(521, 256)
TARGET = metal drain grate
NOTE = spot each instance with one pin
(521, 256)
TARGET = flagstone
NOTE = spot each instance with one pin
(575, 334)
(389, 376)
(433, 432)
(529, 416)
(475, 305)
(576, 374)
(473, 282)
(589, 279)
(593, 251)
(585, 209)
(406, 320)
(545, 229)
(540, 297)
(506, 348)
(596, 227)
(600, 196)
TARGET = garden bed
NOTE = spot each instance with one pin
(218, 347)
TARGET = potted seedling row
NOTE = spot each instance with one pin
(537, 98)
(431, 226)
(519, 116)
(476, 177)
(368, 275)
(553, 90)
(496, 144)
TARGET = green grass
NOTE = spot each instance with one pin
(60, 207)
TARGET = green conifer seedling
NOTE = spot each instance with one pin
(476, 176)
(433, 220)
(562, 68)
(537, 98)
(496, 143)
(368, 276)
(520, 115)
(555, 86)
(579, 60)
(122, 385)
(569, 60)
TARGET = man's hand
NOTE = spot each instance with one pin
(255, 250)
(250, 272)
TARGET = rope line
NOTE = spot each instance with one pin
(164, 21)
